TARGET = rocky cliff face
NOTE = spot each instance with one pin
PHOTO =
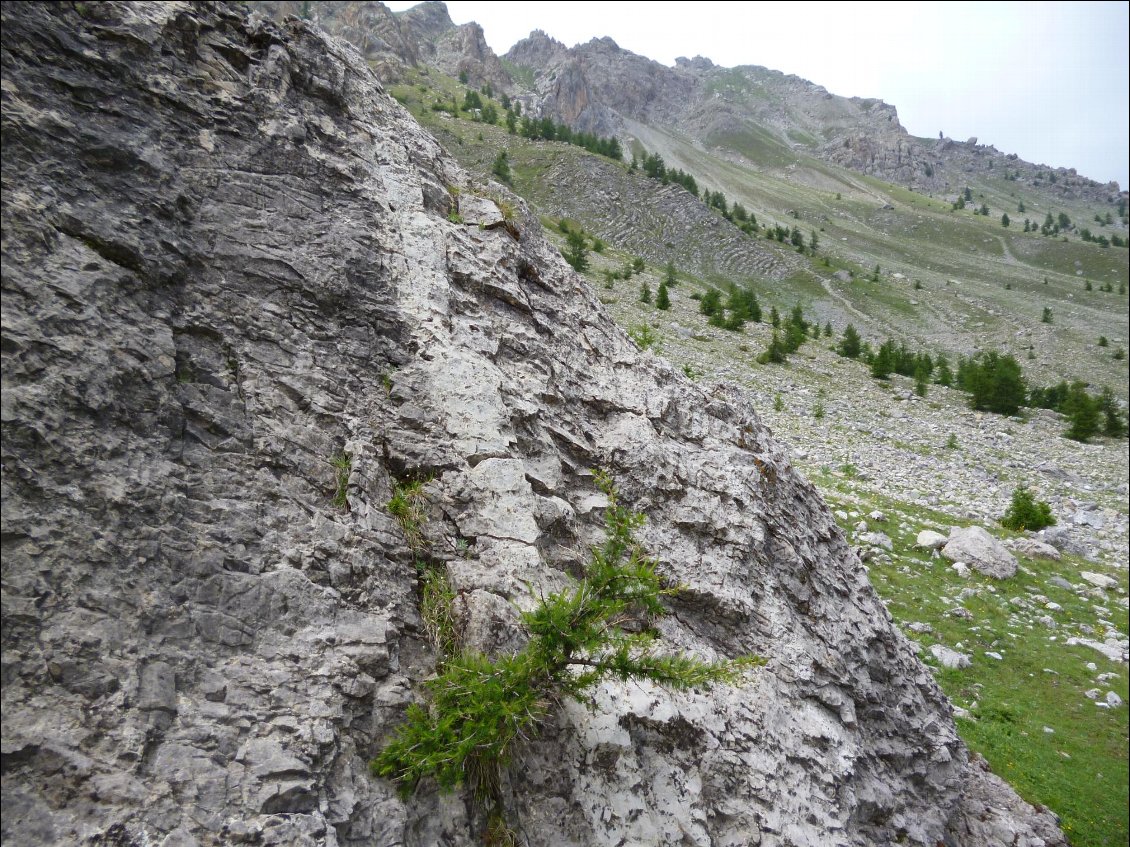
(233, 288)
(421, 36)
(723, 107)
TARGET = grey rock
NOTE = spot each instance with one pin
(1099, 580)
(240, 274)
(877, 539)
(1061, 538)
(991, 809)
(157, 688)
(949, 658)
(1034, 549)
(927, 539)
(975, 547)
(1114, 648)
(1090, 518)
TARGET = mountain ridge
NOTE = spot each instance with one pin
(604, 84)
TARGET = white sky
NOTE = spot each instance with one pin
(1045, 80)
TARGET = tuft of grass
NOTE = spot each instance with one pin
(342, 464)
(437, 599)
(407, 506)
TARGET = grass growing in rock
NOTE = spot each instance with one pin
(342, 464)
(1028, 713)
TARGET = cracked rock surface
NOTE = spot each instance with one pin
(238, 280)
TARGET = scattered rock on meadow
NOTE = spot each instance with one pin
(975, 547)
(928, 539)
(1117, 650)
(1099, 580)
(1034, 549)
(948, 658)
(877, 539)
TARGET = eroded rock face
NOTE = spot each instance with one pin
(228, 263)
(421, 36)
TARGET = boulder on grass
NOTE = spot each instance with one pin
(974, 546)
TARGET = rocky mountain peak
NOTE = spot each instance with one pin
(698, 63)
(537, 50)
(429, 19)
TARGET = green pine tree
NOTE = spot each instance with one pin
(670, 276)
(1084, 413)
(1025, 513)
(501, 167)
(850, 346)
(600, 628)
(577, 251)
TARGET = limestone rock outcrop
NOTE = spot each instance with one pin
(235, 295)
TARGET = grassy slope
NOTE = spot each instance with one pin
(983, 285)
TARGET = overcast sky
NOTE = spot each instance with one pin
(1045, 80)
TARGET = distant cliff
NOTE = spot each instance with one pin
(245, 299)
(753, 111)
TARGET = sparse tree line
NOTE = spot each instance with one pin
(653, 166)
(741, 306)
(994, 383)
(547, 130)
(487, 111)
(1053, 225)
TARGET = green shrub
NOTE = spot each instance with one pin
(711, 302)
(994, 381)
(501, 167)
(850, 345)
(478, 706)
(576, 251)
(1025, 513)
(1083, 411)
(776, 353)
(644, 336)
